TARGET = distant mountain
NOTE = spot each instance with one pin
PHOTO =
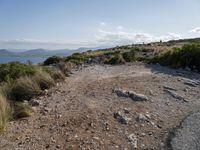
(44, 52)
(4, 52)
(40, 52)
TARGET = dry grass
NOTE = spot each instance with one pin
(24, 89)
(22, 110)
(43, 79)
(4, 111)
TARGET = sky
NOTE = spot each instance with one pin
(60, 24)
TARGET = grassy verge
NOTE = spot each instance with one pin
(4, 111)
(19, 83)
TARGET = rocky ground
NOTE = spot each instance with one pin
(132, 106)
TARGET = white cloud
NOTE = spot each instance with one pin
(103, 24)
(120, 28)
(119, 37)
(195, 30)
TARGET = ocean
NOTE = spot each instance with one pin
(22, 59)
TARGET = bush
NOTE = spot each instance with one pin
(43, 79)
(24, 89)
(53, 60)
(22, 110)
(14, 70)
(187, 56)
(129, 56)
(117, 59)
(4, 111)
(77, 58)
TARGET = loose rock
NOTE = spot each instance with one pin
(142, 118)
(137, 97)
(134, 96)
(121, 118)
(121, 93)
(133, 140)
(35, 102)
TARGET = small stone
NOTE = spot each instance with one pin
(142, 146)
(47, 146)
(143, 134)
(133, 140)
(121, 118)
(96, 138)
(34, 102)
(58, 146)
(47, 109)
(126, 110)
(142, 118)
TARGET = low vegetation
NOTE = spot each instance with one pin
(14, 70)
(115, 60)
(76, 58)
(187, 56)
(4, 111)
(24, 88)
(53, 60)
(19, 83)
(130, 56)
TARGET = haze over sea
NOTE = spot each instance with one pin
(22, 59)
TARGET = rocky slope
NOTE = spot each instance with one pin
(86, 111)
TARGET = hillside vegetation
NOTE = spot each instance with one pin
(176, 54)
(187, 56)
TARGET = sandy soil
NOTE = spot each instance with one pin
(79, 113)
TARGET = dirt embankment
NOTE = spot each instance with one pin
(84, 113)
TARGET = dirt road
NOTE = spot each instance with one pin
(79, 113)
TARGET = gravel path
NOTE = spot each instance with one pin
(84, 113)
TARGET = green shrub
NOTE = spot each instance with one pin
(115, 60)
(187, 56)
(13, 70)
(77, 58)
(129, 56)
(24, 89)
(53, 60)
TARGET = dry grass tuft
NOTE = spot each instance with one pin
(43, 79)
(24, 89)
(22, 110)
(4, 111)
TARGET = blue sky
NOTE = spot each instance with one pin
(56, 24)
